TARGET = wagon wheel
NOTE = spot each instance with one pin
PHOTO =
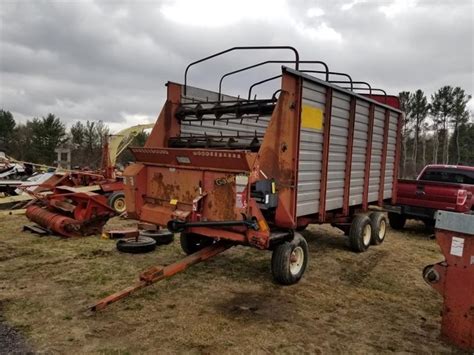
(117, 202)
(379, 227)
(289, 260)
(360, 233)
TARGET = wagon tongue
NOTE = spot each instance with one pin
(236, 160)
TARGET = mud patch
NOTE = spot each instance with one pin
(258, 306)
(356, 272)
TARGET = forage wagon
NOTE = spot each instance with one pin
(226, 170)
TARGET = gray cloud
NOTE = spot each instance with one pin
(109, 60)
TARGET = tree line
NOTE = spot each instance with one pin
(438, 130)
(36, 140)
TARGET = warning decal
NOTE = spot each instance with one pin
(457, 246)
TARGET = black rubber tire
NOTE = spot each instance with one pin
(429, 225)
(192, 242)
(161, 237)
(357, 232)
(281, 263)
(114, 198)
(379, 227)
(396, 220)
(136, 246)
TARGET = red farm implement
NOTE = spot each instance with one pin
(453, 278)
(247, 171)
(72, 214)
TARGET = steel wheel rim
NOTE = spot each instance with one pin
(296, 260)
(366, 234)
(119, 205)
(382, 229)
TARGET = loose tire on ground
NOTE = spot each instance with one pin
(396, 220)
(379, 227)
(360, 233)
(116, 201)
(289, 260)
(192, 242)
(136, 245)
(161, 237)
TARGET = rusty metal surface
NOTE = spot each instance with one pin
(235, 160)
(71, 214)
(54, 222)
(453, 278)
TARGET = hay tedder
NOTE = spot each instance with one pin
(227, 171)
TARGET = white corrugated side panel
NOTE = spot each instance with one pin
(389, 163)
(376, 154)
(310, 156)
(221, 127)
(361, 128)
(337, 150)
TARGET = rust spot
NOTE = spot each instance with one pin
(223, 202)
(209, 205)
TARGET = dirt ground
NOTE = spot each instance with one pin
(374, 302)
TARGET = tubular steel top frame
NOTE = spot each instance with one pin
(350, 81)
(303, 71)
(271, 62)
(297, 61)
(297, 57)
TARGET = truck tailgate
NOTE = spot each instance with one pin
(434, 195)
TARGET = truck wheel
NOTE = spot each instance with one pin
(397, 221)
(289, 260)
(360, 233)
(379, 227)
(116, 201)
(161, 237)
(192, 242)
(136, 245)
(429, 225)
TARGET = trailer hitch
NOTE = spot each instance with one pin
(177, 226)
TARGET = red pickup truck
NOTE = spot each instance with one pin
(438, 187)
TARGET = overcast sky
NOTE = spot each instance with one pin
(109, 60)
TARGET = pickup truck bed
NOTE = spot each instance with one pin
(438, 187)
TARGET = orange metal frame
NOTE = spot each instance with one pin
(159, 188)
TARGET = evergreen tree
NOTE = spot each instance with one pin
(7, 131)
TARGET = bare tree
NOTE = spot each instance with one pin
(460, 116)
(441, 109)
(405, 106)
